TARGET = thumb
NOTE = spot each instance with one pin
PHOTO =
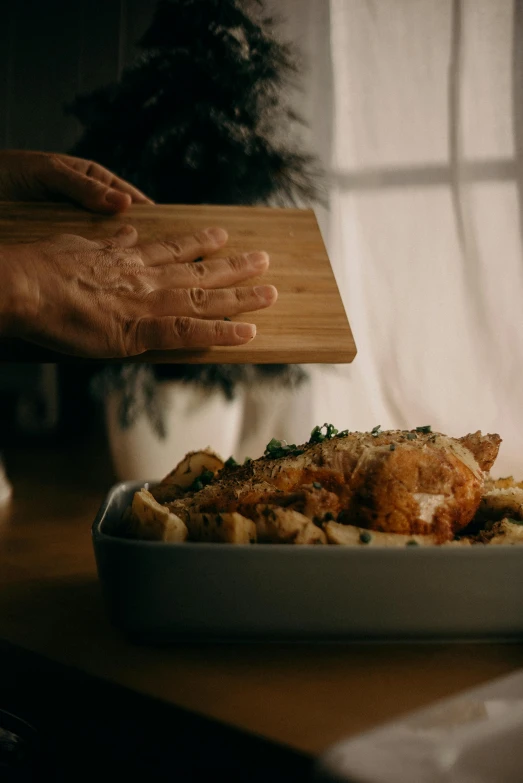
(87, 191)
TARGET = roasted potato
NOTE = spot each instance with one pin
(278, 525)
(500, 503)
(350, 535)
(230, 528)
(151, 521)
(191, 467)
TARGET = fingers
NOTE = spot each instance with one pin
(137, 197)
(84, 190)
(164, 334)
(211, 304)
(126, 236)
(219, 273)
(105, 177)
(92, 185)
(184, 249)
(116, 184)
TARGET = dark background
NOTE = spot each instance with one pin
(50, 51)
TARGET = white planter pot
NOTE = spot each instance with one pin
(194, 418)
(270, 411)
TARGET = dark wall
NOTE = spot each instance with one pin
(50, 50)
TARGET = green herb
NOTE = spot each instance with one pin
(273, 448)
(226, 319)
(342, 434)
(231, 463)
(318, 436)
(329, 516)
(515, 521)
(376, 430)
(247, 460)
(365, 537)
(411, 436)
(412, 543)
(316, 485)
(392, 447)
(278, 448)
(426, 428)
(203, 479)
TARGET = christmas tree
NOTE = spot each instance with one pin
(202, 117)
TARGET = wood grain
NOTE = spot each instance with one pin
(304, 696)
(308, 323)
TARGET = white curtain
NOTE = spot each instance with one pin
(416, 111)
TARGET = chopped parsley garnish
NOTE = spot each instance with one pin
(375, 431)
(316, 485)
(411, 436)
(342, 434)
(203, 479)
(365, 537)
(226, 319)
(318, 436)
(329, 516)
(426, 428)
(247, 460)
(278, 448)
(231, 463)
(392, 447)
(412, 543)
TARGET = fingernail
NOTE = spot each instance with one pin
(217, 234)
(265, 292)
(245, 331)
(259, 260)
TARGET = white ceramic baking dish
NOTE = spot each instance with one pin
(161, 591)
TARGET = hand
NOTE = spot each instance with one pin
(48, 176)
(114, 298)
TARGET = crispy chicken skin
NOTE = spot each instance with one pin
(414, 483)
(484, 448)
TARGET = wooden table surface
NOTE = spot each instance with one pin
(301, 696)
(308, 323)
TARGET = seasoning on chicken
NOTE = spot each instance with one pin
(409, 482)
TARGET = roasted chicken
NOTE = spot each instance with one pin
(413, 483)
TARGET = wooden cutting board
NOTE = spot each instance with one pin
(308, 323)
